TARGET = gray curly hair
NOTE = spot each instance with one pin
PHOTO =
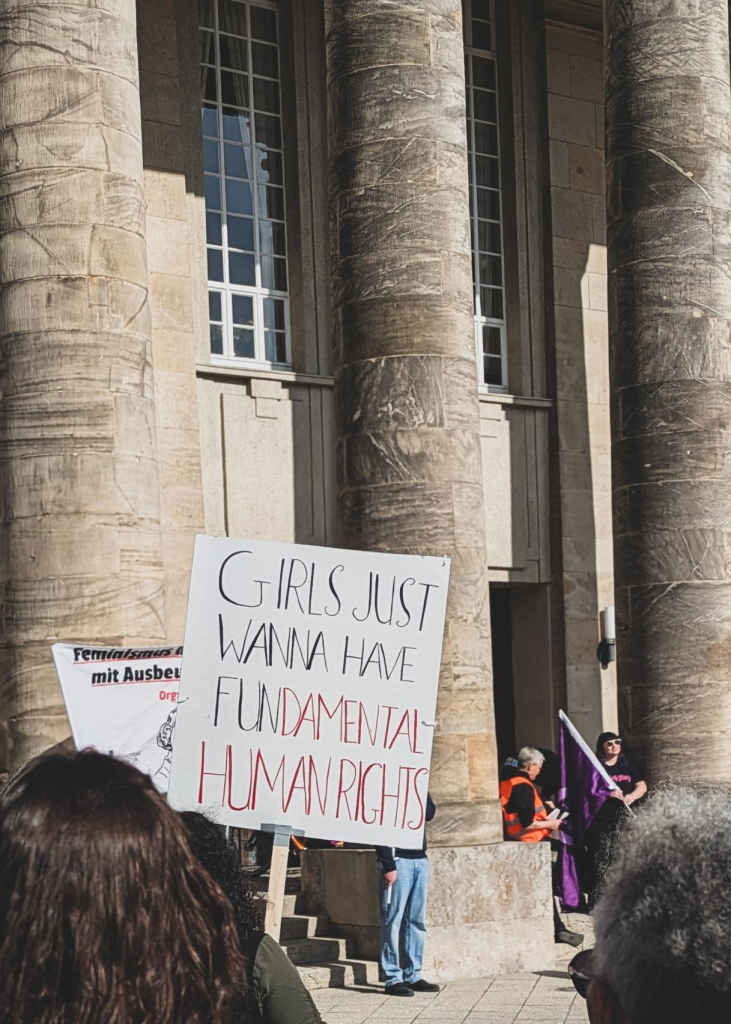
(663, 924)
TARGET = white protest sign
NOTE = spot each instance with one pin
(122, 700)
(309, 687)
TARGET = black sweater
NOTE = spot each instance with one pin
(387, 854)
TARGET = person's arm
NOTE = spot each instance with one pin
(431, 807)
(282, 997)
(640, 786)
(387, 862)
(524, 806)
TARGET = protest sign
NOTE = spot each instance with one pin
(308, 689)
(123, 701)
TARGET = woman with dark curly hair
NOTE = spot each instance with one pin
(276, 994)
(106, 917)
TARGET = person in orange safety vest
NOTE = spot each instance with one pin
(525, 819)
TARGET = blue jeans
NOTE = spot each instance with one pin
(404, 915)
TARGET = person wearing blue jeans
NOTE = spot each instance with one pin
(405, 875)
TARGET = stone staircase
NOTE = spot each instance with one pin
(322, 960)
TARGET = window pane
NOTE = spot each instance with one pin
(241, 233)
(486, 138)
(275, 347)
(216, 335)
(205, 13)
(274, 273)
(210, 156)
(269, 167)
(241, 269)
(491, 301)
(263, 24)
(493, 372)
(481, 35)
(265, 60)
(487, 171)
(268, 130)
(488, 204)
(238, 197)
(214, 306)
(243, 309)
(236, 125)
(215, 265)
(489, 240)
(491, 341)
(266, 95)
(483, 73)
(209, 120)
(491, 269)
(208, 84)
(243, 343)
(233, 53)
(212, 189)
(208, 48)
(489, 237)
(238, 161)
(271, 202)
(274, 314)
(234, 89)
(485, 105)
(271, 237)
(481, 9)
(232, 17)
(213, 229)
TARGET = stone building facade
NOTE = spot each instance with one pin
(240, 296)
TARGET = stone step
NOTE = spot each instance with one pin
(312, 951)
(303, 926)
(294, 904)
(339, 974)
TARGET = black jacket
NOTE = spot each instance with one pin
(387, 854)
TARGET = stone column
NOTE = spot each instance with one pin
(669, 237)
(408, 431)
(80, 548)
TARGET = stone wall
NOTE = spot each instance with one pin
(171, 271)
(583, 464)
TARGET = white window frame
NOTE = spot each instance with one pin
(257, 292)
(480, 320)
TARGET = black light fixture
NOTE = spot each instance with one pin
(606, 652)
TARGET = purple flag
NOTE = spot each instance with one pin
(583, 788)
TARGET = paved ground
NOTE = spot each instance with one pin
(547, 997)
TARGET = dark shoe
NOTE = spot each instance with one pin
(570, 938)
(399, 989)
(423, 986)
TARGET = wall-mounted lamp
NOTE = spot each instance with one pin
(606, 652)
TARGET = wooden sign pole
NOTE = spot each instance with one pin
(277, 877)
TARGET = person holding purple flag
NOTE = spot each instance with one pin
(584, 788)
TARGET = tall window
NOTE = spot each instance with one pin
(244, 182)
(483, 142)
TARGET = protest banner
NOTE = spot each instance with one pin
(122, 701)
(308, 689)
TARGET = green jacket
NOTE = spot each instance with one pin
(276, 992)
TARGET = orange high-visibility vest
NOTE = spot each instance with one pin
(511, 822)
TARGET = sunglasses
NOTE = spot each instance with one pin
(580, 971)
(614, 743)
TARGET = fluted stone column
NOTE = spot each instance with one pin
(80, 544)
(669, 237)
(408, 432)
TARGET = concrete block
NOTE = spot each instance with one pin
(559, 160)
(599, 111)
(173, 351)
(571, 120)
(273, 389)
(165, 194)
(586, 169)
(171, 302)
(162, 146)
(572, 214)
(159, 98)
(598, 291)
(587, 78)
(570, 288)
(579, 254)
(600, 219)
(559, 77)
(572, 39)
(168, 249)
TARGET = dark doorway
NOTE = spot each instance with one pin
(502, 668)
